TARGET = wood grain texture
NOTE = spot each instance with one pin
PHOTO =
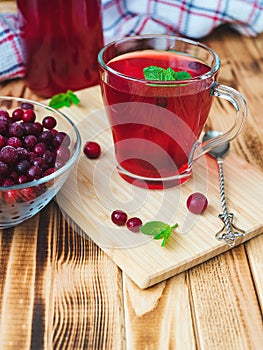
(58, 290)
(8, 6)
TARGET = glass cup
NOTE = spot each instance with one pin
(156, 124)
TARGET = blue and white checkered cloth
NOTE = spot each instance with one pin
(11, 60)
(188, 18)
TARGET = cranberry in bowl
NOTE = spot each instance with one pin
(38, 149)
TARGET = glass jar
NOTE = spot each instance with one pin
(60, 40)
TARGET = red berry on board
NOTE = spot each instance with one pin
(92, 150)
(197, 203)
(119, 217)
(134, 224)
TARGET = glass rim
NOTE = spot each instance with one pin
(212, 71)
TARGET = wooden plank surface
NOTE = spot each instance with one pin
(58, 290)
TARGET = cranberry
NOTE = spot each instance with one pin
(3, 127)
(14, 142)
(92, 150)
(17, 114)
(59, 163)
(26, 105)
(23, 166)
(4, 114)
(29, 116)
(14, 176)
(16, 129)
(119, 217)
(48, 157)
(134, 224)
(39, 148)
(8, 182)
(29, 129)
(27, 194)
(3, 169)
(49, 171)
(61, 137)
(2, 141)
(22, 179)
(197, 203)
(46, 136)
(34, 172)
(30, 141)
(63, 153)
(39, 161)
(31, 156)
(22, 153)
(49, 122)
(54, 132)
(9, 155)
(38, 128)
(11, 196)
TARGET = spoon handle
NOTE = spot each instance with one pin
(229, 237)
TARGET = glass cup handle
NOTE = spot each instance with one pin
(240, 105)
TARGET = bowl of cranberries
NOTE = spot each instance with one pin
(38, 148)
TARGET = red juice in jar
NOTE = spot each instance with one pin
(155, 127)
(60, 40)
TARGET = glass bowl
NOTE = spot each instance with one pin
(21, 200)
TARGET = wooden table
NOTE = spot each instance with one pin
(58, 290)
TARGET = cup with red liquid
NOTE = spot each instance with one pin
(156, 124)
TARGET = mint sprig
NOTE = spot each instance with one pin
(64, 100)
(162, 74)
(159, 230)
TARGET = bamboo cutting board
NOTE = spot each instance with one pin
(94, 190)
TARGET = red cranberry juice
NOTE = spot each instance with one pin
(61, 40)
(155, 127)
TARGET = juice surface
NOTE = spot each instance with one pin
(61, 40)
(132, 63)
(155, 126)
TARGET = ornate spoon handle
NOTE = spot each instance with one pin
(229, 236)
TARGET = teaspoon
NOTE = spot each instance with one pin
(219, 153)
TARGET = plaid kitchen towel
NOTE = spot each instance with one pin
(11, 61)
(189, 18)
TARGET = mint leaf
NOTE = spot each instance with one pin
(153, 228)
(154, 73)
(158, 229)
(74, 98)
(64, 100)
(162, 74)
(182, 75)
(58, 101)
